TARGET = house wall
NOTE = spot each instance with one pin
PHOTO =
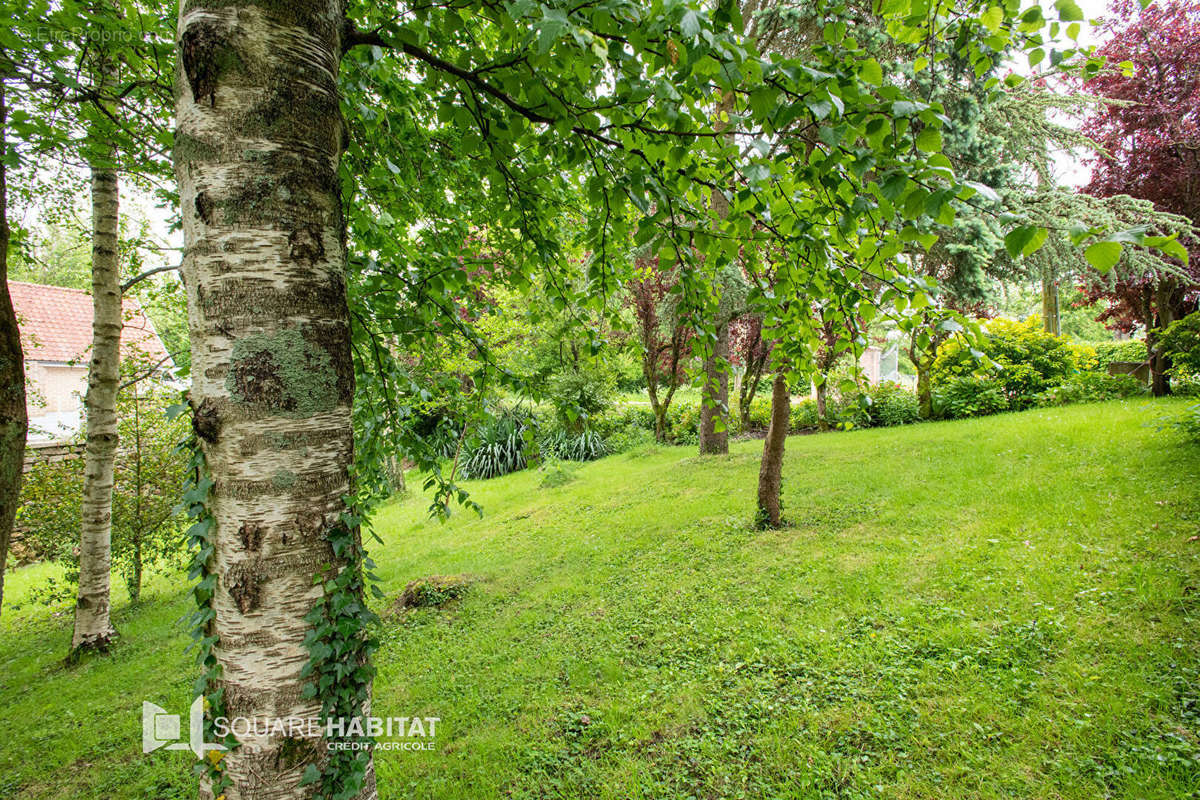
(54, 387)
(54, 401)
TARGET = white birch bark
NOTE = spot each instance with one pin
(257, 148)
(93, 625)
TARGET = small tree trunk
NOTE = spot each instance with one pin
(93, 626)
(924, 391)
(660, 423)
(744, 414)
(1051, 318)
(749, 390)
(13, 420)
(770, 473)
(135, 582)
(395, 472)
(714, 405)
(822, 388)
(139, 524)
(256, 156)
(1160, 363)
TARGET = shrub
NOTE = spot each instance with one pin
(1181, 343)
(1092, 387)
(1030, 361)
(587, 445)
(970, 396)
(630, 438)
(1104, 353)
(683, 421)
(893, 404)
(760, 412)
(850, 411)
(1185, 385)
(802, 417)
(146, 520)
(556, 473)
(498, 448)
(1189, 423)
(579, 395)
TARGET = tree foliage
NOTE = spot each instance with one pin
(1151, 144)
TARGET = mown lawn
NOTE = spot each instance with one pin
(995, 608)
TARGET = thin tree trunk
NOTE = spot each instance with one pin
(13, 420)
(256, 156)
(750, 382)
(660, 413)
(822, 388)
(714, 404)
(93, 626)
(1160, 362)
(924, 390)
(139, 526)
(770, 473)
(1051, 319)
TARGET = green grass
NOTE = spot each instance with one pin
(994, 608)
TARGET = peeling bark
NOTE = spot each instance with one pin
(93, 625)
(259, 138)
(770, 474)
(13, 420)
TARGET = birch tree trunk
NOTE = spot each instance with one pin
(93, 625)
(13, 420)
(256, 156)
(770, 473)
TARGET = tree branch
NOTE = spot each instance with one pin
(136, 279)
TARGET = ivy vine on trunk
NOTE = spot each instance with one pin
(258, 143)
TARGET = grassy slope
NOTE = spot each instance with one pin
(1005, 607)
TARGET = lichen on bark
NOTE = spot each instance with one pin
(283, 373)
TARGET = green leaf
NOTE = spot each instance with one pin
(871, 72)
(690, 24)
(992, 18)
(929, 140)
(1068, 11)
(1024, 241)
(1103, 255)
(1169, 246)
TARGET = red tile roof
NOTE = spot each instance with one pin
(56, 324)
